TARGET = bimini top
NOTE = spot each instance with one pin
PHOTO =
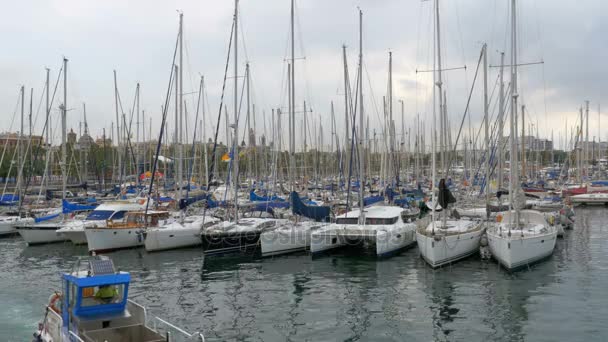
(96, 290)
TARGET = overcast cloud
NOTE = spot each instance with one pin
(137, 38)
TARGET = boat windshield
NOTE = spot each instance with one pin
(98, 215)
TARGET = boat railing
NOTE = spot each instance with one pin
(170, 330)
(74, 337)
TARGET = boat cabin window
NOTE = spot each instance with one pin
(119, 215)
(98, 215)
(347, 220)
(381, 221)
(101, 295)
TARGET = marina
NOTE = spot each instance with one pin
(339, 297)
(226, 189)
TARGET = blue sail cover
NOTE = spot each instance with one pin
(46, 218)
(318, 213)
(372, 199)
(68, 207)
(253, 197)
(9, 199)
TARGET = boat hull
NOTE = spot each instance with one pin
(76, 236)
(37, 235)
(387, 240)
(230, 242)
(443, 249)
(172, 238)
(110, 239)
(516, 252)
(295, 237)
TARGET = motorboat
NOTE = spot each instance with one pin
(127, 233)
(115, 211)
(94, 305)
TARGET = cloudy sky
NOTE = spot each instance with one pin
(137, 37)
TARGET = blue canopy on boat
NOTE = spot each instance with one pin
(68, 207)
(318, 213)
(253, 197)
(46, 218)
(372, 199)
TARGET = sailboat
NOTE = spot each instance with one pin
(521, 237)
(380, 226)
(444, 241)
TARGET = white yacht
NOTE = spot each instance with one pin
(43, 229)
(383, 228)
(178, 234)
(125, 234)
(519, 244)
(113, 210)
(289, 238)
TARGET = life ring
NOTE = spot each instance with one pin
(55, 297)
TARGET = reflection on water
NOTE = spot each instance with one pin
(341, 297)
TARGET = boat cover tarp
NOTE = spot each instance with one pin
(317, 213)
(9, 199)
(68, 207)
(253, 197)
(372, 199)
(184, 202)
(46, 218)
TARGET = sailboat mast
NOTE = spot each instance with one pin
(180, 96)
(235, 169)
(439, 84)
(514, 181)
(117, 130)
(501, 113)
(361, 123)
(293, 96)
(64, 152)
(486, 120)
(346, 116)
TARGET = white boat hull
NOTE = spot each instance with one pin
(36, 236)
(387, 239)
(291, 238)
(443, 249)
(108, 239)
(76, 236)
(535, 240)
(517, 252)
(172, 238)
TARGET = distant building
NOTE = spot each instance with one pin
(71, 137)
(12, 139)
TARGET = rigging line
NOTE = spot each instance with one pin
(40, 142)
(219, 115)
(464, 115)
(10, 128)
(162, 127)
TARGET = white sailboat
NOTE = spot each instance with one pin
(444, 241)
(380, 226)
(521, 237)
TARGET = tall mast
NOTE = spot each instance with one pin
(235, 170)
(247, 135)
(48, 110)
(176, 171)
(361, 123)
(292, 110)
(587, 157)
(501, 113)
(514, 181)
(180, 146)
(390, 115)
(346, 108)
(117, 130)
(439, 84)
(137, 142)
(64, 153)
(486, 119)
(203, 136)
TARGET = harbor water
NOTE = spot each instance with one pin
(340, 297)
